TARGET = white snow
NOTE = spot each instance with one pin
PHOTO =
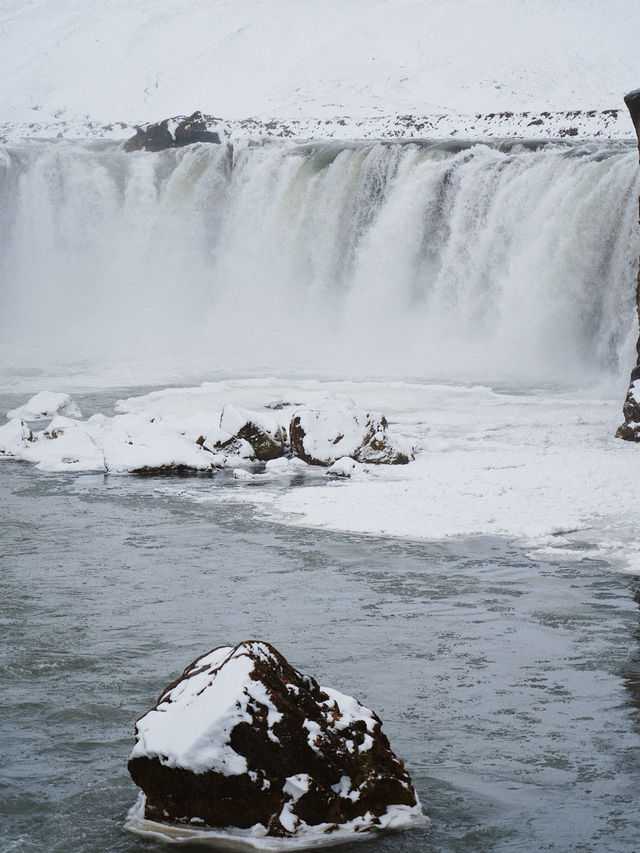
(45, 405)
(14, 436)
(233, 418)
(72, 67)
(330, 434)
(294, 788)
(347, 467)
(192, 723)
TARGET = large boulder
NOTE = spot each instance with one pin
(322, 436)
(45, 405)
(242, 739)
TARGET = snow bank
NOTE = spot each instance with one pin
(146, 440)
(14, 437)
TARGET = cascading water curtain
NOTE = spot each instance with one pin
(474, 262)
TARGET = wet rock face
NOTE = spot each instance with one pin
(157, 137)
(243, 738)
(632, 100)
(630, 429)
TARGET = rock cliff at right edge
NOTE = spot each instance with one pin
(630, 429)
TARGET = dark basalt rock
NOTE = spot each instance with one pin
(265, 447)
(630, 429)
(267, 438)
(632, 100)
(194, 129)
(288, 752)
(157, 137)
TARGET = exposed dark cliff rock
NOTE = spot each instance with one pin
(242, 738)
(265, 435)
(630, 429)
(632, 100)
(186, 131)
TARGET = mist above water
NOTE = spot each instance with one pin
(453, 261)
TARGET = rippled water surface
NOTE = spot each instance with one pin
(511, 687)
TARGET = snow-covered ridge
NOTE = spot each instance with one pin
(613, 123)
(117, 61)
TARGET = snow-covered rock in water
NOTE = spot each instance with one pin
(46, 404)
(346, 467)
(263, 432)
(244, 740)
(14, 436)
(322, 436)
(227, 450)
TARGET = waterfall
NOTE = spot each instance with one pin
(506, 262)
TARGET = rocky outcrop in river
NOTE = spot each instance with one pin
(244, 739)
(630, 429)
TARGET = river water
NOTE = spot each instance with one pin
(511, 687)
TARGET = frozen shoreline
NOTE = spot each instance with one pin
(541, 468)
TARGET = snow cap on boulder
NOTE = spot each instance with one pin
(14, 436)
(262, 431)
(46, 404)
(244, 740)
(322, 436)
